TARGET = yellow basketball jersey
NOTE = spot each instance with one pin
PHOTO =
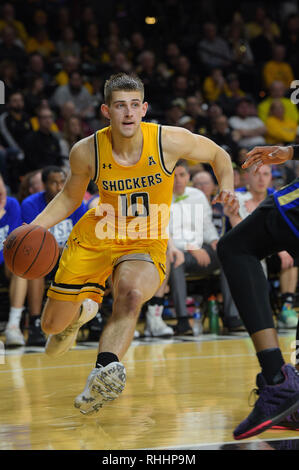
(134, 200)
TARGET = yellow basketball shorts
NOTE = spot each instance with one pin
(87, 262)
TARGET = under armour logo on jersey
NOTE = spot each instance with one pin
(151, 161)
(107, 166)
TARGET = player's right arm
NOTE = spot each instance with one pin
(72, 194)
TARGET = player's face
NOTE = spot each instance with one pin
(125, 112)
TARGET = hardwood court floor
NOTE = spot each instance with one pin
(179, 395)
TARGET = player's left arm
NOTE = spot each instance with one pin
(179, 143)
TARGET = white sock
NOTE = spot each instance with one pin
(14, 317)
(155, 310)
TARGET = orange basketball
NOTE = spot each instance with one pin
(30, 251)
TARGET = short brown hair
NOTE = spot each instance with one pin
(122, 81)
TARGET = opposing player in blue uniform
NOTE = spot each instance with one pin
(53, 178)
(272, 227)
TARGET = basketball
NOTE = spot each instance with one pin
(30, 251)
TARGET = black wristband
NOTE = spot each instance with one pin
(296, 152)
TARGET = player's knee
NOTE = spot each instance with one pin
(131, 296)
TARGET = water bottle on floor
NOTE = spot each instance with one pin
(197, 326)
(213, 315)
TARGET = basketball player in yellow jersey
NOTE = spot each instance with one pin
(132, 163)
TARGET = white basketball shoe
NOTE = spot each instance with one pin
(103, 384)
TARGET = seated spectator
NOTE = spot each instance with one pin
(280, 130)
(277, 69)
(251, 129)
(214, 85)
(262, 44)
(258, 187)
(67, 46)
(254, 28)
(10, 218)
(239, 46)
(187, 237)
(53, 179)
(174, 112)
(15, 126)
(231, 94)
(9, 75)
(153, 81)
(35, 122)
(70, 64)
(91, 46)
(212, 49)
(41, 43)
(74, 91)
(290, 38)
(34, 95)
(277, 91)
(31, 183)
(37, 69)
(225, 137)
(183, 68)
(42, 147)
(204, 181)
(8, 18)
(137, 46)
(72, 133)
(11, 50)
(195, 108)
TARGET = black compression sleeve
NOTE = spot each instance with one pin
(296, 152)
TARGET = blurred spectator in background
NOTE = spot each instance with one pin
(10, 49)
(8, 19)
(67, 45)
(251, 129)
(70, 64)
(76, 92)
(225, 137)
(42, 148)
(262, 44)
(214, 85)
(290, 38)
(280, 129)
(31, 183)
(9, 75)
(231, 94)
(277, 69)
(255, 28)
(213, 50)
(41, 43)
(72, 133)
(37, 69)
(15, 126)
(277, 91)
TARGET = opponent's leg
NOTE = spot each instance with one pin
(134, 283)
(62, 321)
(240, 252)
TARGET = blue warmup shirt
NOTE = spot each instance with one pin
(11, 220)
(35, 204)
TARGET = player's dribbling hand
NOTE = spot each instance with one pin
(229, 199)
(268, 155)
